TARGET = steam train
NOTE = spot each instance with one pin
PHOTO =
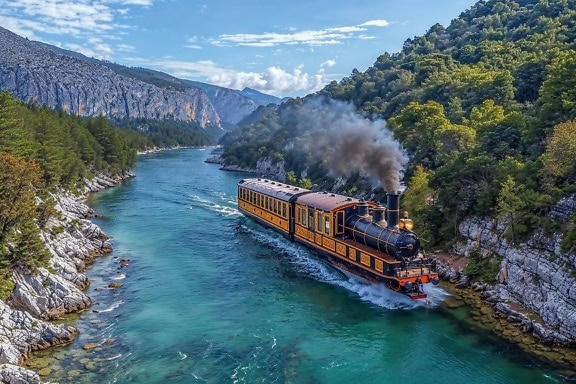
(363, 238)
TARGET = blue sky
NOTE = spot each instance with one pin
(283, 48)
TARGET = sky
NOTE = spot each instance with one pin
(279, 47)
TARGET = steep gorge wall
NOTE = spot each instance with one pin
(36, 74)
(535, 274)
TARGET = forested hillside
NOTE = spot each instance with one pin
(484, 108)
(42, 150)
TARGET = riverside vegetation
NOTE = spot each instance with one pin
(486, 110)
(40, 152)
(44, 240)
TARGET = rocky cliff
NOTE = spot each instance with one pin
(34, 73)
(535, 275)
(73, 242)
(232, 106)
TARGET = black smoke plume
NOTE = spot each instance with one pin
(352, 143)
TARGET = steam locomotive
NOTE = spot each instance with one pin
(361, 237)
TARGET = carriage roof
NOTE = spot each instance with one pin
(272, 188)
(327, 201)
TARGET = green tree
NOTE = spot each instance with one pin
(559, 159)
(18, 182)
(29, 252)
(510, 204)
(305, 183)
(558, 92)
(291, 178)
(415, 127)
(14, 137)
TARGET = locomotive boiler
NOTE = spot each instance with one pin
(390, 236)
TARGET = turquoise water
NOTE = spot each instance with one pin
(210, 297)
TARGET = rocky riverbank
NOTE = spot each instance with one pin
(73, 241)
(536, 281)
(531, 306)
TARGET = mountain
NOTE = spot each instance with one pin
(259, 97)
(231, 105)
(48, 75)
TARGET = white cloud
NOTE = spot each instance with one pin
(125, 48)
(345, 29)
(144, 3)
(274, 80)
(328, 63)
(376, 23)
(327, 36)
(89, 21)
(193, 42)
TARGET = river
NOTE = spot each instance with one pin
(210, 297)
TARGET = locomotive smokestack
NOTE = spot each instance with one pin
(378, 215)
(393, 209)
(362, 208)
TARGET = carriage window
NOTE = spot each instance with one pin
(284, 210)
(327, 225)
(258, 200)
(319, 222)
(267, 203)
(275, 206)
(311, 220)
(303, 216)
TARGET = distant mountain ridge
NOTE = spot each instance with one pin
(48, 75)
(259, 97)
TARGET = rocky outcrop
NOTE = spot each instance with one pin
(13, 374)
(231, 106)
(21, 333)
(535, 275)
(265, 167)
(34, 73)
(273, 170)
(73, 242)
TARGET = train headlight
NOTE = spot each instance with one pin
(408, 224)
(435, 281)
(408, 286)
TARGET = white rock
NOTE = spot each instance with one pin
(530, 275)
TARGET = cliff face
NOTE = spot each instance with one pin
(535, 274)
(231, 105)
(34, 73)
